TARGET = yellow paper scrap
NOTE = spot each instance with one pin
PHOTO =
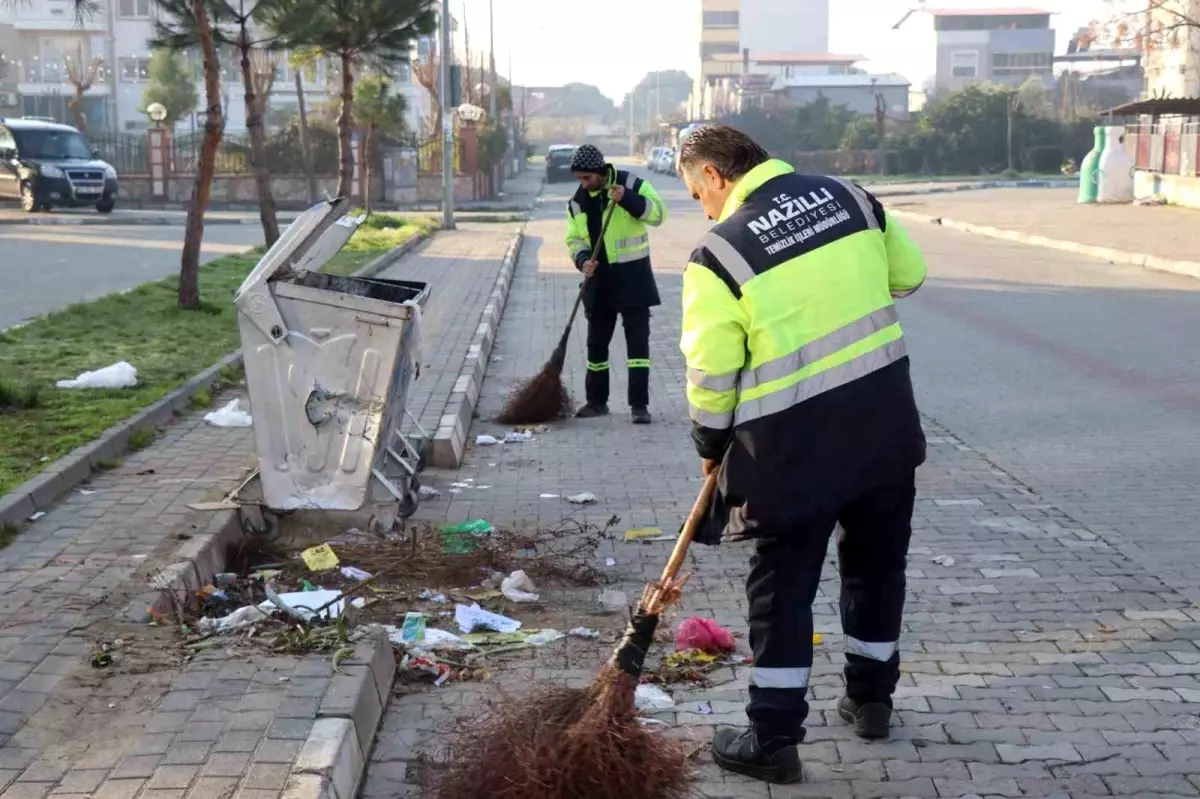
(642, 532)
(320, 558)
(818, 639)
(482, 594)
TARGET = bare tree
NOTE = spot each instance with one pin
(82, 76)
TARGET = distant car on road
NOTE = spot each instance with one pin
(665, 164)
(44, 164)
(653, 158)
(558, 162)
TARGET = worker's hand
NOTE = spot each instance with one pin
(616, 193)
(589, 268)
(708, 467)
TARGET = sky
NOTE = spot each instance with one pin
(612, 44)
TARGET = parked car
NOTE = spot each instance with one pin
(45, 164)
(558, 162)
(666, 162)
(653, 156)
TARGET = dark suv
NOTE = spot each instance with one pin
(558, 162)
(44, 164)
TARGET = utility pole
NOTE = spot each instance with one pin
(512, 137)
(632, 132)
(492, 57)
(447, 125)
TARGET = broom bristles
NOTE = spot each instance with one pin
(543, 398)
(567, 742)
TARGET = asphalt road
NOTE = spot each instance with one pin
(45, 268)
(1078, 376)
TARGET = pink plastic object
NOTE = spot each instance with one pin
(705, 634)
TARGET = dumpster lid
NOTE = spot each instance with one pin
(306, 245)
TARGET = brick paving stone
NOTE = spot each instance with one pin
(221, 726)
(1024, 663)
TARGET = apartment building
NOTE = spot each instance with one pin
(729, 28)
(999, 45)
(1172, 50)
(41, 40)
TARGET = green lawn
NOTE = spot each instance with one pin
(39, 423)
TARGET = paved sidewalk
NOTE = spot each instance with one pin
(151, 723)
(1040, 662)
(1162, 231)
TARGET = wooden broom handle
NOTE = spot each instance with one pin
(687, 534)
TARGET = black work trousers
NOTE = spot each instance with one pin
(602, 323)
(784, 575)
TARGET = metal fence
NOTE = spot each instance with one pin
(1171, 147)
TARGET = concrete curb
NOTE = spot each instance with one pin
(1188, 268)
(334, 756)
(143, 221)
(880, 189)
(449, 441)
(40, 493)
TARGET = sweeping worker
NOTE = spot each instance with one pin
(620, 280)
(799, 391)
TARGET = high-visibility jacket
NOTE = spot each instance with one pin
(798, 377)
(625, 278)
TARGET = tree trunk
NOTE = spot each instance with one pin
(76, 106)
(258, 145)
(305, 142)
(1012, 112)
(214, 127)
(345, 127)
(366, 168)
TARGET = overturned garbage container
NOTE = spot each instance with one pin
(328, 362)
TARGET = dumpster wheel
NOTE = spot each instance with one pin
(257, 520)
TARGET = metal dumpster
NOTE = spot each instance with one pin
(328, 364)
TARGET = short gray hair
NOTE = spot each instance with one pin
(731, 152)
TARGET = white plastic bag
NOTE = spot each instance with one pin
(652, 698)
(119, 375)
(231, 415)
(517, 587)
(543, 637)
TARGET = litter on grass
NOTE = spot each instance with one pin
(231, 415)
(517, 587)
(355, 573)
(304, 604)
(119, 375)
(429, 595)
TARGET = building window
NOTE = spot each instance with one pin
(423, 47)
(403, 73)
(132, 69)
(1017, 63)
(710, 49)
(134, 8)
(720, 19)
(964, 64)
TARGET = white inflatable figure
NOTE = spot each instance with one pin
(1115, 169)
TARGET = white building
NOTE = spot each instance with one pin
(38, 38)
(734, 31)
(1172, 51)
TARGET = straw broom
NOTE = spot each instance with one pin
(586, 743)
(544, 397)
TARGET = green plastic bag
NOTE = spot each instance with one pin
(462, 538)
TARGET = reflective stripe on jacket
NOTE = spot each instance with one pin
(794, 349)
(625, 278)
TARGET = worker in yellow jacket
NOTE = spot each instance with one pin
(620, 280)
(798, 384)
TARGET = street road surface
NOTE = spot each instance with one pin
(45, 268)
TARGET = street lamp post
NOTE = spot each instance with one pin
(447, 125)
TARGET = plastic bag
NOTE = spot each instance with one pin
(651, 698)
(517, 587)
(703, 634)
(231, 415)
(119, 375)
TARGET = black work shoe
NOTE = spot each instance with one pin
(590, 411)
(641, 416)
(738, 751)
(871, 720)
